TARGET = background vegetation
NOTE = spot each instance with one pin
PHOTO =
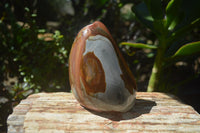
(170, 24)
(36, 37)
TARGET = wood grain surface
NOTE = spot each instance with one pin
(61, 113)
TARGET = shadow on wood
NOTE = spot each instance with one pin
(141, 107)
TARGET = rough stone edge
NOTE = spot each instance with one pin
(15, 120)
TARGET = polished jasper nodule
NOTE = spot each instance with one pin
(99, 76)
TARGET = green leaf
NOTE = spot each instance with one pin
(155, 8)
(33, 15)
(27, 9)
(187, 28)
(188, 49)
(189, 12)
(41, 30)
(139, 45)
(173, 14)
(159, 27)
(142, 14)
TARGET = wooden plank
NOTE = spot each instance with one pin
(61, 113)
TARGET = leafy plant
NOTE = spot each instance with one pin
(34, 57)
(170, 24)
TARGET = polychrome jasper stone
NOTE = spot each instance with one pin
(99, 77)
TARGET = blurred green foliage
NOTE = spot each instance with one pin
(170, 24)
(36, 59)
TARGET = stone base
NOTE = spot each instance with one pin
(61, 113)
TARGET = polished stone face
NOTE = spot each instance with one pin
(99, 77)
